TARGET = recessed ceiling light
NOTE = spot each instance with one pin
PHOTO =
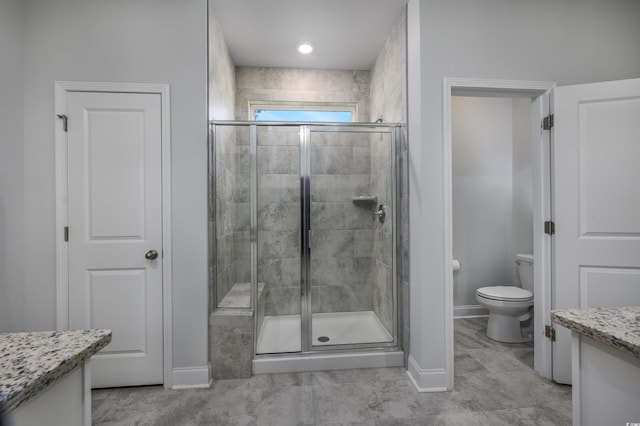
(305, 47)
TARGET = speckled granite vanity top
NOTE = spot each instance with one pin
(617, 327)
(31, 361)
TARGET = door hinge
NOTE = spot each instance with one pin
(547, 122)
(64, 119)
(549, 227)
(550, 333)
(66, 233)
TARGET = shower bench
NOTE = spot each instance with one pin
(231, 332)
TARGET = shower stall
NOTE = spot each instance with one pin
(306, 240)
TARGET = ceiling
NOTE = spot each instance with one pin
(347, 34)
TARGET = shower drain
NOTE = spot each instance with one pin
(323, 339)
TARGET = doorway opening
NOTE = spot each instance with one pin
(513, 96)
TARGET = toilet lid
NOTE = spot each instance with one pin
(505, 292)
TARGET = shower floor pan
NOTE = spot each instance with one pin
(282, 333)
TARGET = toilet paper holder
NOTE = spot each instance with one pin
(455, 264)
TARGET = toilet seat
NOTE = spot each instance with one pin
(505, 293)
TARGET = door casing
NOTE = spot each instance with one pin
(541, 91)
(62, 88)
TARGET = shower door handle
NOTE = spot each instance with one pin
(309, 238)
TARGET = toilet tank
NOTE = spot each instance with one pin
(525, 270)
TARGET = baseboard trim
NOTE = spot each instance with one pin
(469, 311)
(434, 380)
(191, 377)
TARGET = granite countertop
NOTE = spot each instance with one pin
(617, 327)
(29, 362)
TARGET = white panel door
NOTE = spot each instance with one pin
(115, 221)
(596, 202)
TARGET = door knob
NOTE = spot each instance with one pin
(151, 254)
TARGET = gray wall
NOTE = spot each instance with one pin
(522, 167)
(492, 192)
(146, 41)
(564, 41)
(11, 167)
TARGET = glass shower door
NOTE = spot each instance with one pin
(278, 226)
(351, 240)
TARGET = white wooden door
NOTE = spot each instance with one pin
(115, 219)
(596, 201)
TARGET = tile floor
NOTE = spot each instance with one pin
(494, 385)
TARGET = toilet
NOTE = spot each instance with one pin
(510, 306)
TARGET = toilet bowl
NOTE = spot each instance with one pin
(510, 306)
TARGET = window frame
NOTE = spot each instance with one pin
(351, 107)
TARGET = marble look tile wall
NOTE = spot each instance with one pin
(231, 343)
(342, 230)
(221, 106)
(339, 271)
(382, 252)
(388, 99)
(225, 182)
(341, 167)
(309, 85)
(242, 212)
(279, 218)
(222, 85)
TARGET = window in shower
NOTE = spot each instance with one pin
(310, 112)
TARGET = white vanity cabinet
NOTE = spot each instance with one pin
(605, 364)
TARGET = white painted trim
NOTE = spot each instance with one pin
(86, 391)
(575, 376)
(435, 380)
(191, 377)
(542, 245)
(470, 311)
(322, 362)
(62, 253)
(495, 86)
(62, 249)
(449, 85)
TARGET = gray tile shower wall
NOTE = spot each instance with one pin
(221, 107)
(340, 273)
(278, 156)
(342, 230)
(225, 182)
(388, 99)
(382, 250)
(309, 85)
(341, 168)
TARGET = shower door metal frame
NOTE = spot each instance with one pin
(305, 129)
(306, 232)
